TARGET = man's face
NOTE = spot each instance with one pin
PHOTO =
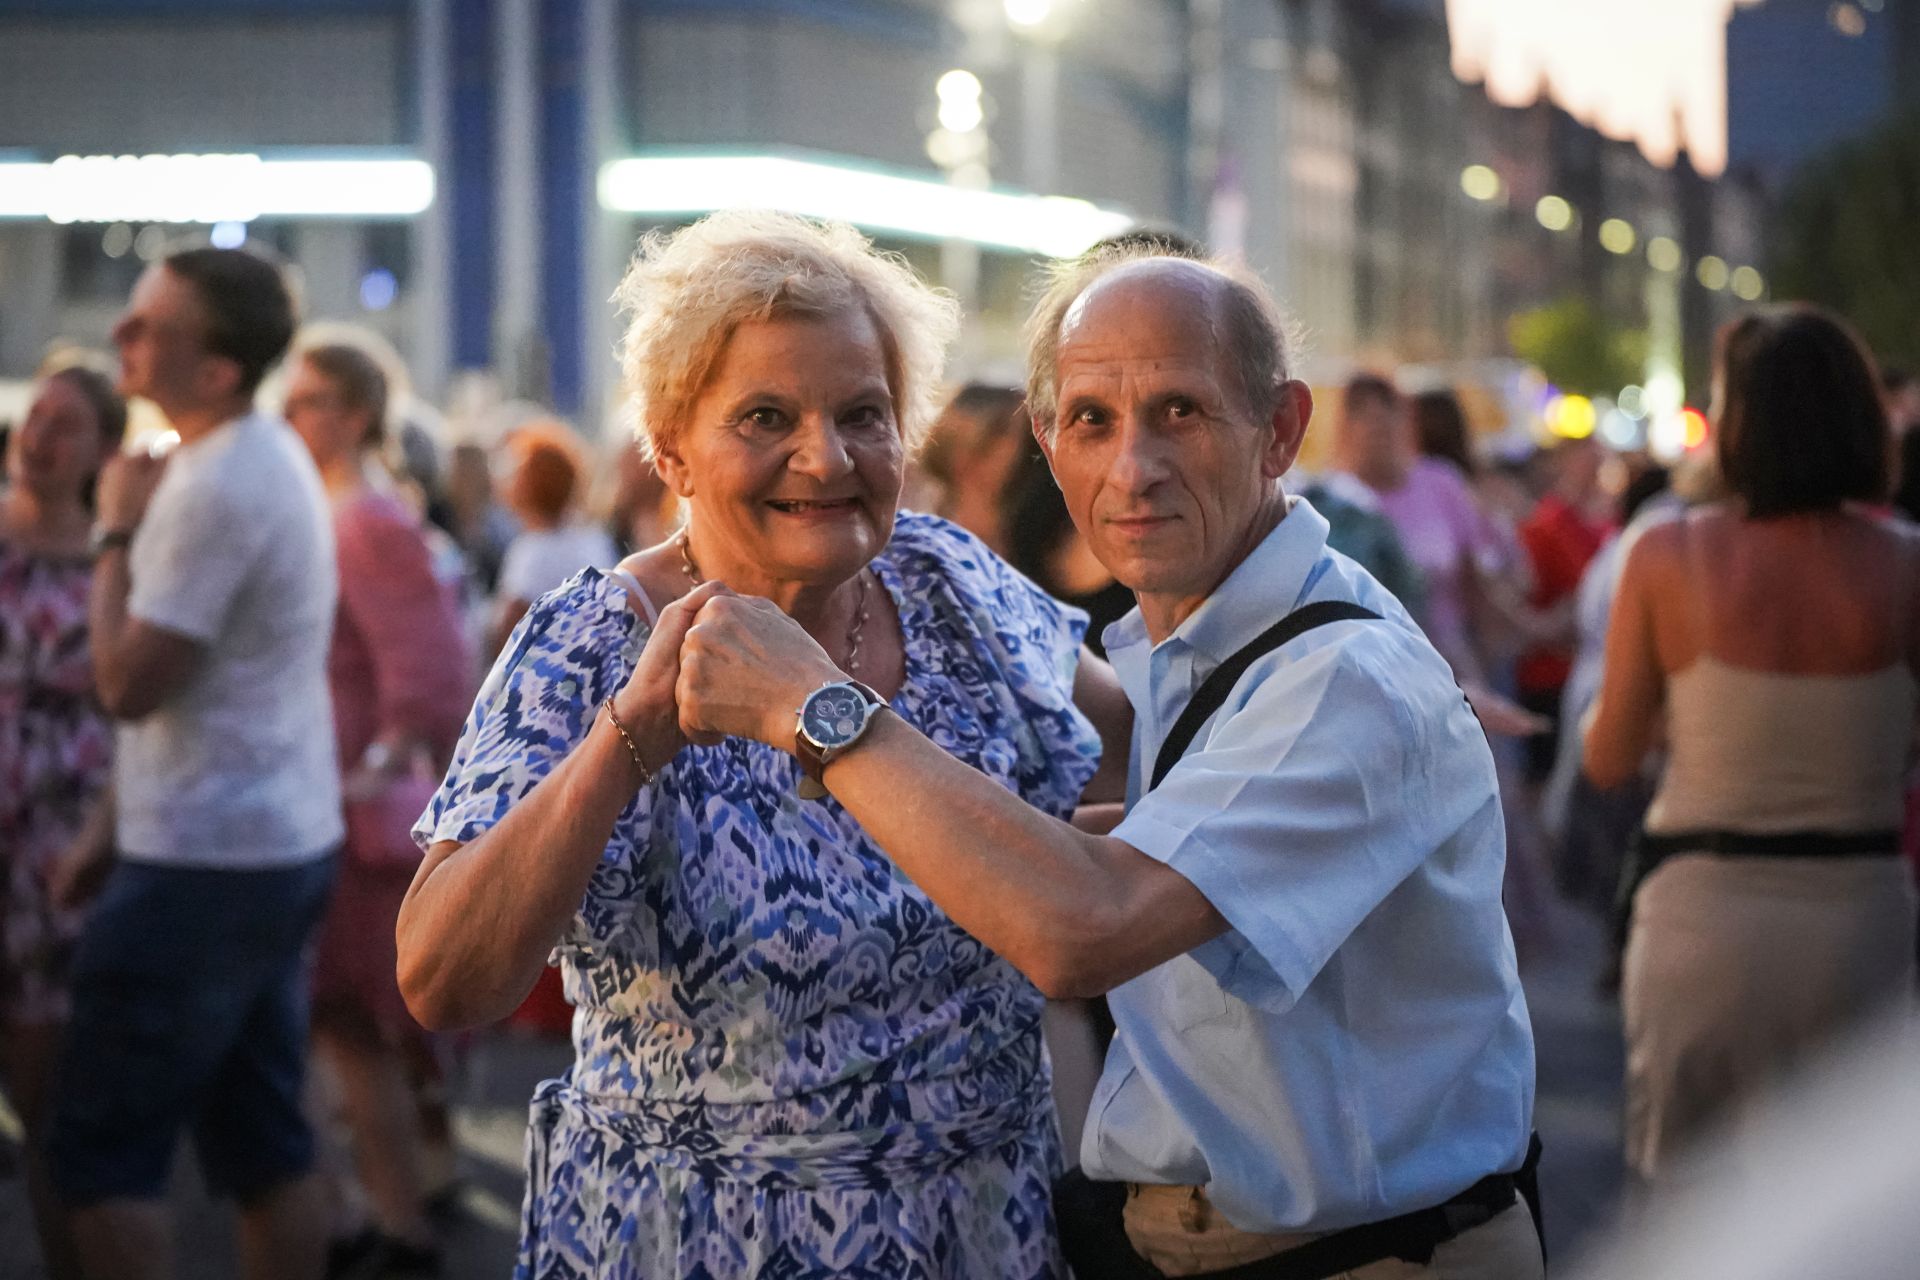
(161, 338)
(1165, 468)
(1375, 435)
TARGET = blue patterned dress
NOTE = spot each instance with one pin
(789, 1062)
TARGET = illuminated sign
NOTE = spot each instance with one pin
(923, 208)
(212, 188)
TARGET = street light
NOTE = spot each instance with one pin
(1554, 213)
(961, 110)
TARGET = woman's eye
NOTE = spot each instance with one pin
(867, 416)
(1180, 407)
(766, 417)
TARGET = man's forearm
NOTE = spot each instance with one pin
(1077, 913)
(107, 627)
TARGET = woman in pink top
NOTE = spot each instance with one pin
(398, 668)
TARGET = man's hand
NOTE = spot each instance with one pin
(127, 483)
(745, 667)
(79, 872)
(1502, 716)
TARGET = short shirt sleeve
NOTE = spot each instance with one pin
(1323, 784)
(1006, 652)
(193, 555)
(570, 652)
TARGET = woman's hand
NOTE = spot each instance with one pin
(745, 668)
(646, 704)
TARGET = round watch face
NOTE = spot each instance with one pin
(833, 716)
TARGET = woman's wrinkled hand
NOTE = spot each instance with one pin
(745, 668)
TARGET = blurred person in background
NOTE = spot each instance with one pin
(473, 515)
(993, 482)
(640, 511)
(1590, 829)
(1464, 565)
(211, 607)
(788, 1061)
(397, 670)
(1902, 392)
(1561, 536)
(546, 483)
(1773, 640)
(56, 747)
(1429, 503)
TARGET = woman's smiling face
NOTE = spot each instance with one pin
(790, 458)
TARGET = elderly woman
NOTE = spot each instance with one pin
(788, 1060)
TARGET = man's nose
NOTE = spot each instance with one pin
(1140, 462)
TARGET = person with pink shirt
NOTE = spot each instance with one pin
(398, 671)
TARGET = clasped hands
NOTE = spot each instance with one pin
(721, 665)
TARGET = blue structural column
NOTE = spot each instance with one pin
(566, 196)
(468, 184)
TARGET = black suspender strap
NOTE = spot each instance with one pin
(1213, 691)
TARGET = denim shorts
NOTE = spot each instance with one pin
(189, 1013)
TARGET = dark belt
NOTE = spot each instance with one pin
(1791, 844)
(1412, 1237)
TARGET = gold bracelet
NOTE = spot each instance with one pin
(633, 749)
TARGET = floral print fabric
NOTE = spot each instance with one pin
(788, 1061)
(56, 751)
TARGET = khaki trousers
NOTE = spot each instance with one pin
(1178, 1231)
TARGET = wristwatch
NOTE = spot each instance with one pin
(830, 721)
(102, 540)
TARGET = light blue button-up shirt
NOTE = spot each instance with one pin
(1356, 1045)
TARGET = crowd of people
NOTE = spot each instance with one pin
(839, 748)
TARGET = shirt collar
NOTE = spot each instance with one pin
(1274, 575)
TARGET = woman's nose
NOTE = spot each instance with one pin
(820, 451)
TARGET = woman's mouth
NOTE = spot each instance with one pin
(807, 507)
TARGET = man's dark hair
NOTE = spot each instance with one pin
(1365, 388)
(1441, 425)
(1802, 426)
(249, 309)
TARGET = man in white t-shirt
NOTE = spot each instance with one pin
(211, 615)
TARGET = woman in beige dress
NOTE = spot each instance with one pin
(1773, 637)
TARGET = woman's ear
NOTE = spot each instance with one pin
(672, 469)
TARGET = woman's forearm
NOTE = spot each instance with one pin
(481, 917)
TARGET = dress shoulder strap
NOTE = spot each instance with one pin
(641, 604)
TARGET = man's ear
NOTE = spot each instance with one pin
(220, 377)
(1041, 436)
(1292, 410)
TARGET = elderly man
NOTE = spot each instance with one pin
(1323, 1063)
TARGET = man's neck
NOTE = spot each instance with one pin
(1163, 614)
(195, 421)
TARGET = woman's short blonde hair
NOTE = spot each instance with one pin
(688, 290)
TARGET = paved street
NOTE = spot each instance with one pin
(1580, 1057)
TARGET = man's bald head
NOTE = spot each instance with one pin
(1232, 303)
